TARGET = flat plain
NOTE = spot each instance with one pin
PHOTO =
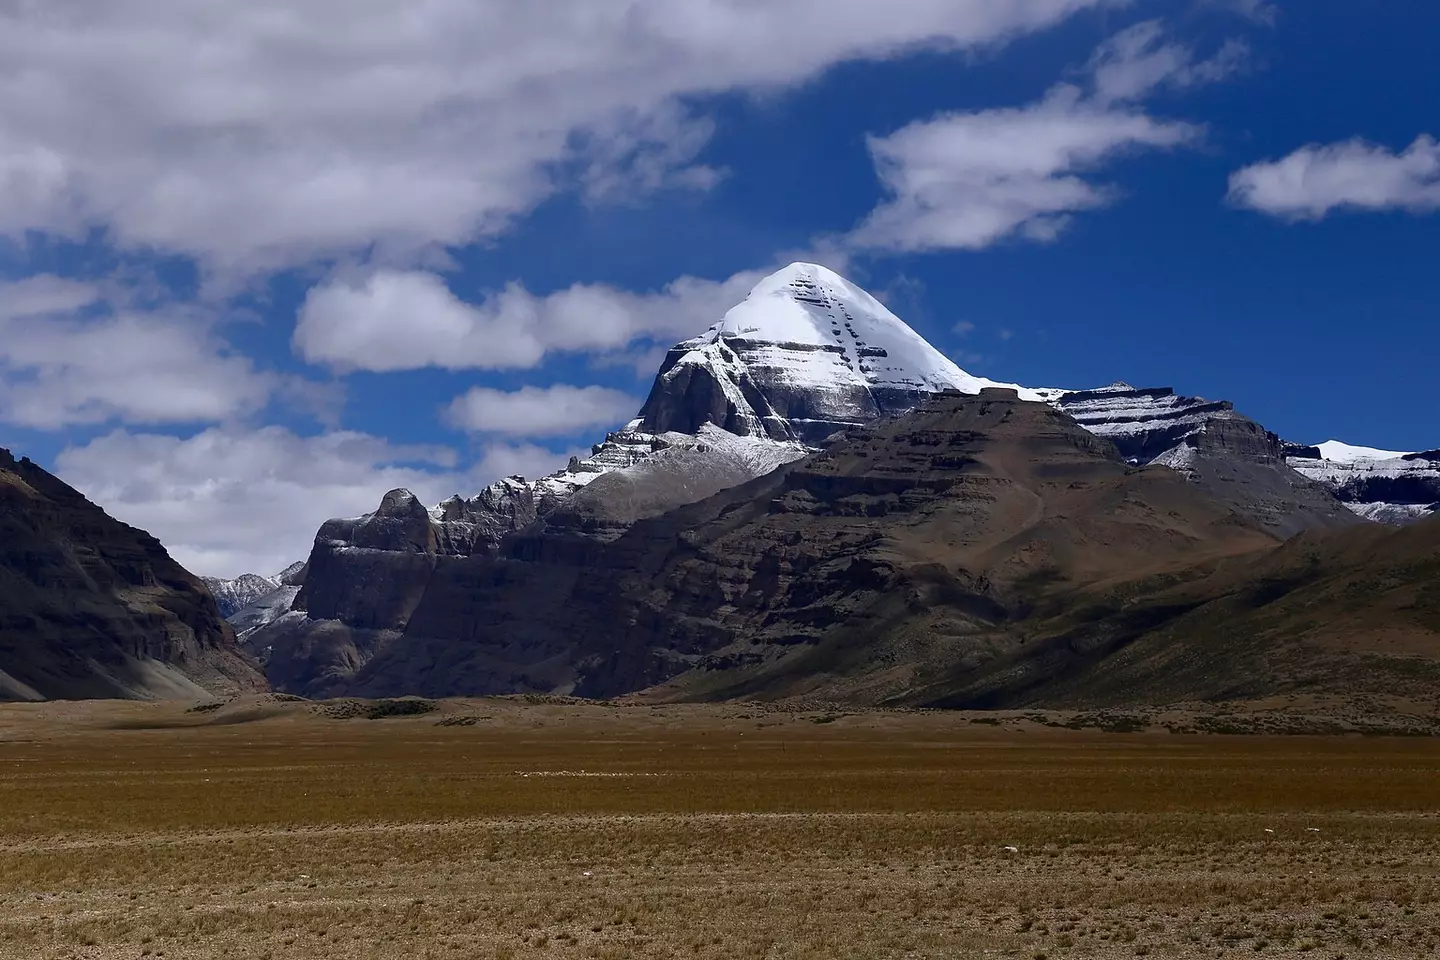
(506, 829)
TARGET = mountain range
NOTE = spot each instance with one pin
(813, 502)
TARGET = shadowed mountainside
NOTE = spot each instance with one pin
(92, 608)
(904, 549)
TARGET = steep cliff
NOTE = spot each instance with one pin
(92, 608)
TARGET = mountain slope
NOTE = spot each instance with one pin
(92, 608)
(899, 550)
(805, 355)
(1344, 614)
(1225, 454)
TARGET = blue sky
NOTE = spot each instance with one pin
(251, 259)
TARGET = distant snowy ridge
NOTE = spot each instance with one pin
(238, 593)
(1148, 424)
(1381, 485)
(1338, 452)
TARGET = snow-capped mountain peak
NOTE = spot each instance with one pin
(806, 353)
(808, 305)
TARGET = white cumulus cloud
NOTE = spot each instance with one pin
(408, 320)
(1317, 180)
(540, 411)
(228, 501)
(268, 133)
(967, 180)
(70, 356)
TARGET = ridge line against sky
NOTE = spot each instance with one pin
(259, 264)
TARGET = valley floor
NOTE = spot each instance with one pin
(268, 829)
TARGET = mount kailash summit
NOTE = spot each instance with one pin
(804, 358)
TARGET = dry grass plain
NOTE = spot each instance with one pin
(511, 830)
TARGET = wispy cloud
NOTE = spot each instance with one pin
(1317, 180)
(972, 179)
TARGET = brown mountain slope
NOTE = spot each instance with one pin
(92, 608)
(900, 553)
(1354, 612)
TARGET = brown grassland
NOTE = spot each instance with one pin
(507, 829)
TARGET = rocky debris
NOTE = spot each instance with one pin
(93, 608)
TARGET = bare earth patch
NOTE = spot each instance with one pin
(273, 829)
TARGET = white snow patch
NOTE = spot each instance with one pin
(1179, 458)
(853, 338)
(1338, 452)
(1391, 513)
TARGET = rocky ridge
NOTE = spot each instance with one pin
(899, 564)
(1379, 485)
(237, 593)
(1225, 453)
(980, 552)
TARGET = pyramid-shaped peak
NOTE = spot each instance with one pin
(807, 303)
(811, 305)
(801, 276)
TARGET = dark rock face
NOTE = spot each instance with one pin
(92, 608)
(367, 577)
(1143, 423)
(925, 536)
(979, 552)
(1239, 462)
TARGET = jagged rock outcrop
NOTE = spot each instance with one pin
(366, 576)
(92, 608)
